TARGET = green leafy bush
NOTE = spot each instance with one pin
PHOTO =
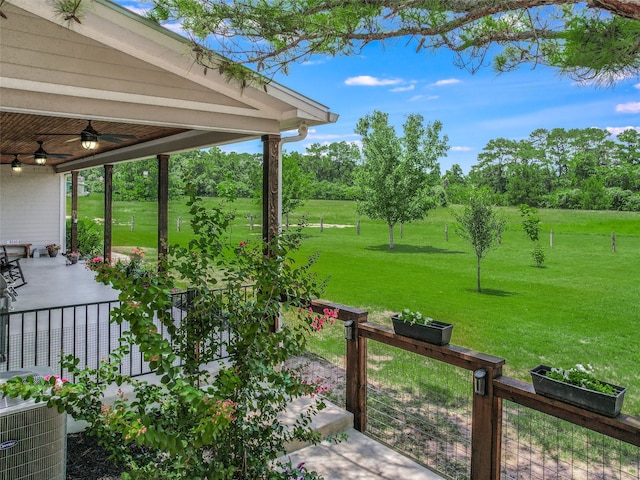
(90, 238)
(194, 424)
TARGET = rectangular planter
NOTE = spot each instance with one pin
(438, 333)
(602, 403)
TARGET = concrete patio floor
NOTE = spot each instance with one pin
(52, 283)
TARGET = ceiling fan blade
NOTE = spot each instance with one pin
(110, 137)
(72, 140)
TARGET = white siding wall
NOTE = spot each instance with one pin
(32, 206)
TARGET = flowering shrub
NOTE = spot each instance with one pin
(581, 376)
(318, 321)
(193, 424)
(52, 247)
(137, 254)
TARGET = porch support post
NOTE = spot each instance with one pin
(163, 209)
(74, 212)
(270, 187)
(108, 212)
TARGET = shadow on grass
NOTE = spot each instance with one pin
(411, 249)
(493, 292)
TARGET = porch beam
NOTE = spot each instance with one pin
(74, 211)
(270, 187)
(108, 212)
(163, 209)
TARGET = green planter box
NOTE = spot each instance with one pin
(438, 333)
(602, 403)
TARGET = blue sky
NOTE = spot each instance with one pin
(473, 108)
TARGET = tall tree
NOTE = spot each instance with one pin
(394, 178)
(594, 39)
(480, 225)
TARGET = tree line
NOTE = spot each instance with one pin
(557, 168)
(576, 169)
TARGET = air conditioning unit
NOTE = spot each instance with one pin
(33, 436)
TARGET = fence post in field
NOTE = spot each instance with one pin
(499, 239)
(132, 222)
(287, 222)
(486, 425)
(321, 224)
(446, 232)
(400, 229)
(178, 223)
(251, 222)
(613, 242)
(358, 227)
(551, 238)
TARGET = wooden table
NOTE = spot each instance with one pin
(24, 246)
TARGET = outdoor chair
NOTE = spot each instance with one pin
(11, 269)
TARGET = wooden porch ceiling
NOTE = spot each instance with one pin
(20, 133)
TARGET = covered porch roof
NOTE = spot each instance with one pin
(137, 82)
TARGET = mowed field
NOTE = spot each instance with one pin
(582, 307)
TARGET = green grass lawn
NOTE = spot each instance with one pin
(582, 307)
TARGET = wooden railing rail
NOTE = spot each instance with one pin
(623, 427)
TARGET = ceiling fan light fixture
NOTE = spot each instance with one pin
(16, 165)
(40, 156)
(89, 138)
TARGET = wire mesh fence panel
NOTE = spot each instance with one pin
(420, 407)
(537, 446)
(324, 363)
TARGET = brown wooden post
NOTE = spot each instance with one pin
(108, 212)
(163, 209)
(356, 381)
(270, 187)
(356, 368)
(270, 226)
(486, 430)
(74, 212)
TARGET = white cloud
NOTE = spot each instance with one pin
(415, 98)
(461, 149)
(408, 88)
(631, 107)
(368, 81)
(174, 27)
(637, 85)
(615, 131)
(446, 81)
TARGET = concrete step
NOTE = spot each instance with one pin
(359, 458)
(332, 420)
